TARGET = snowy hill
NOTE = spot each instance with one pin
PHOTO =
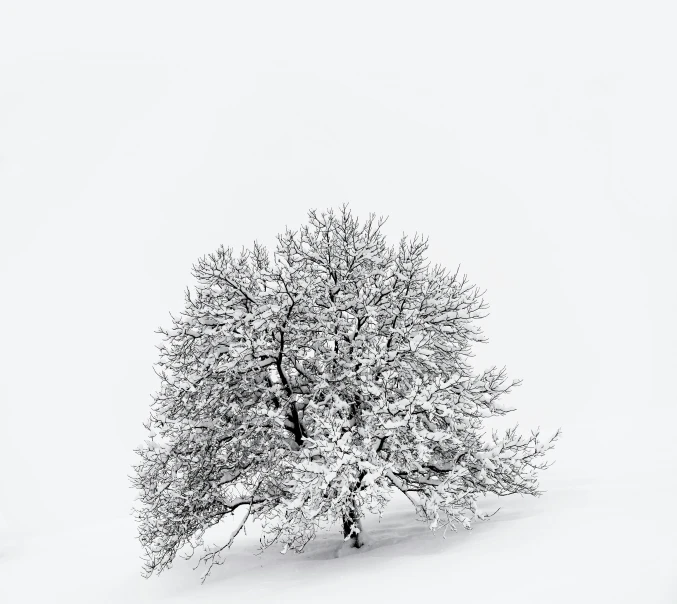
(584, 541)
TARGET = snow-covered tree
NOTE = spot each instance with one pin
(308, 386)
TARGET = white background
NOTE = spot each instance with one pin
(535, 143)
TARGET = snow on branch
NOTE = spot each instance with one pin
(307, 388)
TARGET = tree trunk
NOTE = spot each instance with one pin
(352, 528)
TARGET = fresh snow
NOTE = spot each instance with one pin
(585, 540)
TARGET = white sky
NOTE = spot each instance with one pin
(535, 144)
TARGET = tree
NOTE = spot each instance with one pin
(308, 387)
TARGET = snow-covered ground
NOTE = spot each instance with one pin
(590, 540)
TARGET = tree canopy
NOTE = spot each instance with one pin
(306, 386)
